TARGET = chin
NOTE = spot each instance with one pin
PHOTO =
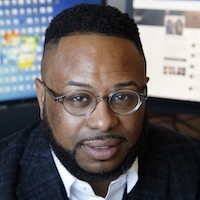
(100, 167)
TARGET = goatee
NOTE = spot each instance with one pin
(67, 158)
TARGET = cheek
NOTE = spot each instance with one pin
(64, 126)
(133, 125)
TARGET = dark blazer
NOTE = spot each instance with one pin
(169, 167)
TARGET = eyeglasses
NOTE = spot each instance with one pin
(83, 103)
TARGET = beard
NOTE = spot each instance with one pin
(68, 158)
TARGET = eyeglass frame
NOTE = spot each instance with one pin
(141, 98)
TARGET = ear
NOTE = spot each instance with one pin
(147, 79)
(40, 95)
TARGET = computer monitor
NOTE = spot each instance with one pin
(170, 31)
(22, 27)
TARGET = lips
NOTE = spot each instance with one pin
(102, 149)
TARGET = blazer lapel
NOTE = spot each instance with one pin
(39, 178)
(153, 182)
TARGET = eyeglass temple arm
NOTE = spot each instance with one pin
(144, 95)
(55, 98)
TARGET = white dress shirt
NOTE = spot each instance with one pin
(80, 190)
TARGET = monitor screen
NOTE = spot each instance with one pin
(170, 33)
(22, 27)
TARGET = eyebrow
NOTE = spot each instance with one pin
(85, 85)
(124, 84)
(79, 84)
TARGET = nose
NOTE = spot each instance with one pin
(102, 118)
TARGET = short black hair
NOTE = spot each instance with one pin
(93, 18)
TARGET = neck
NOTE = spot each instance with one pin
(100, 188)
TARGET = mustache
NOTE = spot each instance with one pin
(102, 137)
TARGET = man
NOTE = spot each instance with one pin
(94, 140)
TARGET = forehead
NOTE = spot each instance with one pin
(94, 59)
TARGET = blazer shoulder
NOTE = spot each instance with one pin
(167, 142)
(12, 146)
(168, 136)
(11, 151)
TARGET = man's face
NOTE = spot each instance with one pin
(101, 65)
